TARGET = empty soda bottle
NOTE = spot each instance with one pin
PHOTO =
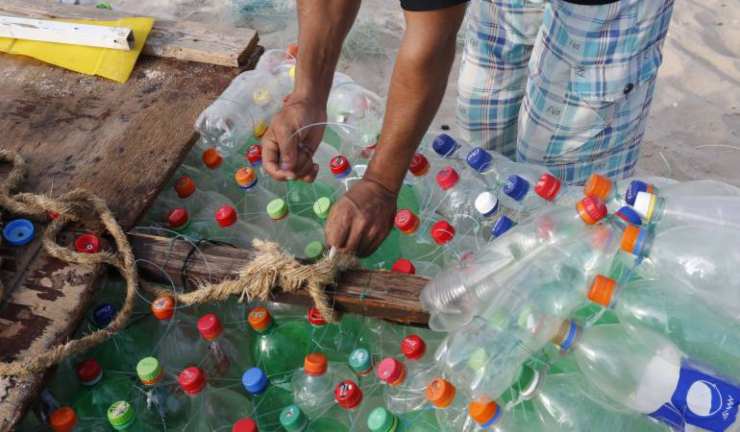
(267, 399)
(313, 385)
(277, 348)
(210, 408)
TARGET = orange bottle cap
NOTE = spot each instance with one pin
(314, 364)
(440, 393)
(163, 307)
(602, 290)
(63, 419)
(212, 158)
(184, 186)
(591, 209)
(599, 186)
(292, 50)
(483, 411)
(629, 238)
(259, 318)
(245, 177)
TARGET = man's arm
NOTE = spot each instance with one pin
(323, 25)
(364, 216)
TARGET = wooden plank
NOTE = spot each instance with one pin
(182, 40)
(121, 141)
(381, 294)
(119, 38)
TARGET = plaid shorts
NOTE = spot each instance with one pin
(562, 85)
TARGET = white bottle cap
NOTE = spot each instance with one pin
(644, 204)
(486, 203)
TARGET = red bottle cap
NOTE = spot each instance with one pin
(547, 187)
(87, 243)
(315, 364)
(89, 371)
(226, 216)
(292, 49)
(177, 218)
(406, 221)
(210, 327)
(163, 307)
(447, 178)
(192, 380)
(348, 394)
(212, 158)
(184, 186)
(259, 318)
(63, 419)
(245, 425)
(339, 165)
(402, 265)
(391, 371)
(591, 209)
(413, 347)
(419, 165)
(314, 317)
(442, 232)
(254, 154)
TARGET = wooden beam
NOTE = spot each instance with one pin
(381, 294)
(182, 40)
(119, 38)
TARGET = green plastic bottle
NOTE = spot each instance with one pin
(99, 390)
(277, 348)
(159, 396)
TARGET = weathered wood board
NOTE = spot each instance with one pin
(121, 142)
(381, 294)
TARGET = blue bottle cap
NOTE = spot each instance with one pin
(103, 314)
(629, 215)
(255, 381)
(19, 232)
(479, 159)
(503, 224)
(444, 145)
(635, 186)
(516, 187)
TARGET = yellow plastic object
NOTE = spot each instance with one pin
(113, 64)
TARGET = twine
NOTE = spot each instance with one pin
(271, 268)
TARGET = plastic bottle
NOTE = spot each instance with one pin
(224, 358)
(382, 420)
(292, 419)
(406, 381)
(160, 395)
(450, 406)
(99, 389)
(277, 348)
(267, 399)
(464, 201)
(675, 210)
(336, 340)
(210, 408)
(294, 233)
(453, 151)
(122, 417)
(645, 372)
(313, 385)
(176, 335)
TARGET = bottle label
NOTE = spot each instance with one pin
(701, 400)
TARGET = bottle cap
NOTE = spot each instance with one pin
(259, 319)
(348, 394)
(339, 166)
(634, 240)
(87, 243)
(547, 187)
(255, 381)
(178, 218)
(192, 380)
(314, 317)
(402, 265)
(63, 419)
(503, 224)
(212, 158)
(485, 412)
(163, 307)
(440, 393)
(226, 216)
(261, 96)
(260, 128)
(292, 419)
(413, 347)
(245, 177)
(486, 203)
(315, 364)
(447, 178)
(406, 221)
(314, 250)
(516, 187)
(103, 314)
(634, 188)
(254, 155)
(149, 370)
(360, 361)
(597, 186)
(184, 187)
(19, 232)
(391, 371)
(566, 336)
(210, 327)
(382, 420)
(89, 372)
(602, 290)
(246, 424)
(444, 145)
(121, 415)
(629, 215)
(321, 207)
(479, 159)
(442, 232)
(591, 209)
(419, 165)
(645, 205)
(292, 50)
(277, 209)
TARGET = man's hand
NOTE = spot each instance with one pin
(362, 218)
(287, 151)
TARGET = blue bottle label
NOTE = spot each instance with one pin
(702, 400)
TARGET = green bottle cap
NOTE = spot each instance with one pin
(314, 250)
(149, 370)
(381, 420)
(321, 207)
(292, 418)
(277, 209)
(360, 360)
(121, 415)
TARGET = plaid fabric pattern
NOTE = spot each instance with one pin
(587, 91)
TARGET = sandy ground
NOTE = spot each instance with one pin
(694, 128)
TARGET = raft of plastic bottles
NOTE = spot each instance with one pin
(608, 307)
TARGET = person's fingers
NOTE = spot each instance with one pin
(337, 227)
(304, 166)
(287, 142)
(271, 156)
(311, 175)
(313, 137)
(370, 241)
(356, 235)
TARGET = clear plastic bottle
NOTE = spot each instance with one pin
(407, 380)
(294, 233)
(176, 335)
(313, 385)
(224, 357)
(278, 348)
(463, 201)
(160, 396)
(211, 408)
(673, 210)
(450, 406)
(267, 399)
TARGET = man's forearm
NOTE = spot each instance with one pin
(323, 26)
(417, 87)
